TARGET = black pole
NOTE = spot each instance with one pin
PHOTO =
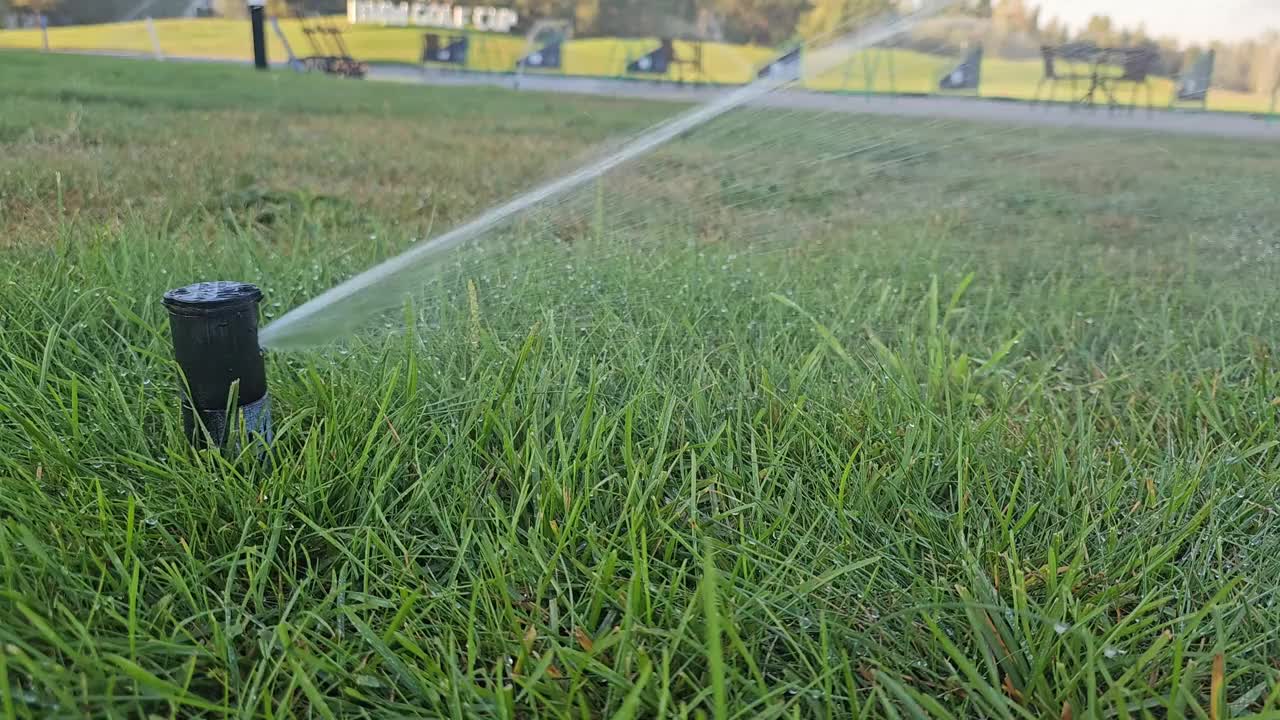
(256, 13)
(215, 341)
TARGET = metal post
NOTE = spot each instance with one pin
(257, 11)
(215, 341)
(893, 72)
(870, 68)
(155, 39)
(294, 62)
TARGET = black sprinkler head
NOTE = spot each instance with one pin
(215, 341)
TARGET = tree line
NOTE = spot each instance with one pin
(1005, 28)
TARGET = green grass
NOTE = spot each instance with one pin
(725, 63)
(1011, 455)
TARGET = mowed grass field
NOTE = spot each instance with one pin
(1005, 446)
(880, 71)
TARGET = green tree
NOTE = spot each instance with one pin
(644, 18)
(278, 8)
(1016, 17)
(585, 13)
(1171, 56)
(828, 16)
(768, 22)
(1233, 68)
(1266, 63)
(1055, 32)
(230, 8)
(534, 10)
(1099, 29)
(35, 6)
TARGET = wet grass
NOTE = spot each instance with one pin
(1004, 447)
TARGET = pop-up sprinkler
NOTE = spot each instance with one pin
(215, 341)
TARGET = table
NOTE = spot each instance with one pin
(1112, 58)
(1106, 67)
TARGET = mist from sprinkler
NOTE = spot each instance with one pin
(327, 316)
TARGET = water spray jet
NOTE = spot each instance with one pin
(379, 288)
(215, 341)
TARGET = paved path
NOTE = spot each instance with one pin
(957, 108)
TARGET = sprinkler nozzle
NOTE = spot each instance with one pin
(215, 341)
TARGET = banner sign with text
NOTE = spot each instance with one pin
(431, 14)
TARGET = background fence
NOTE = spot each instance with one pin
(884, 70)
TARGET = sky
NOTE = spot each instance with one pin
(1186, 19)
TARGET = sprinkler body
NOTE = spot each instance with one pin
(215, 341)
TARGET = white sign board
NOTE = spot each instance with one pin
(431, 14)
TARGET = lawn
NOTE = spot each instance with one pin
(886, 71)
(931, 430)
